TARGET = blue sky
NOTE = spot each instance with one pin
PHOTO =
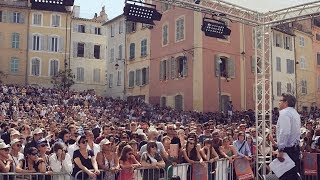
(115, 7)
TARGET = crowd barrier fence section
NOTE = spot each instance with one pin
(35, 176)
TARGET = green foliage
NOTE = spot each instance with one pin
(63, 80)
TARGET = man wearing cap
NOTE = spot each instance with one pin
(15, 153)
(5, 161)
(37, 134)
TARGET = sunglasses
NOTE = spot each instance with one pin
(44, 145)
(34, 153)
(152, 146)
(124, 137)
(84, 142)
(18, 145)
(192, 143)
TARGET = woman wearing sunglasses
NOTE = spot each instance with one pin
(31, 163)
(84, 160)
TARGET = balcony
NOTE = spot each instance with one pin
(14, 3)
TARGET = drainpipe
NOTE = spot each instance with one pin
(27, 50)
(295, 72)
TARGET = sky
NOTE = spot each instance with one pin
(115, 7)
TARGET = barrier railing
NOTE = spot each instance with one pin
(35, 176)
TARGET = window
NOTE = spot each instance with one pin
(318, 37)
(278, 64)
(96, 52)
(131, 26)
(301, 41)
(278, 88)
(164, 70)
(226, 67)
(80, 50)
(81, 28)
(163, 102)
(178, 102)
(165, 7)
(287, 43)
(145, 76)
(120, 52)
(179, 67)
(15, 41)
(53, 44)
(165, 35)
(97, 30)
(290, 66)
(289, 88)
(144, 48)
(36, 42)
(80, 74)
(180, 29)
(120, 27)
(55, 21)
(111, 55)
(303, 86)
(16, 17)
(96, 75)
(131, 79)
(278, 39)
(37, 19)
(54, 67)
(132, 51)
(112, 30)
(110, 80)
(14, 65)
(1, 16)
(35, 67)
(318, 58)
(138, 77)
(119, 78)
(303, 64)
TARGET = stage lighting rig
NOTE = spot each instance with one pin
(215, 28)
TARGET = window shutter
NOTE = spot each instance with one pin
(49, 43)
(161, 71)
(231, 68)
(90, 50)
(87, 29)
(0, 39)
(102, 51)
(167, 69)
(75, 27)
(44, 43)
(185, 67)
(147, 75)
(21, 18)
(138, 77)
(30, 43)
(92, 29)
(86, 50)
(217, 65)
(4, 16)
(61, 44)
(10, 17)
(75, 49)
(253, 64)
(173, 68)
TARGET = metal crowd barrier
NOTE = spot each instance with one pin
(35, 176)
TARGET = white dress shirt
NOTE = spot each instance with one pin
(61, 167)
(288, 128)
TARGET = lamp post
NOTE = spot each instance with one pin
(219, 85)
(124, 75)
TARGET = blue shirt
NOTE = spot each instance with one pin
(288, 128)
(244, 151)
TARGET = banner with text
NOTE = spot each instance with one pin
(243, 169)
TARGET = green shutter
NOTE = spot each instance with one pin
(161, 71)
(231, 68)
(216, 64)
(173, 68)
(185, 66)
(147, 75)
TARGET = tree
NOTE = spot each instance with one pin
(2, 75)
(64, 79)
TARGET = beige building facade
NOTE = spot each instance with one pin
(138, 61)
(13, 40)
(88, 52)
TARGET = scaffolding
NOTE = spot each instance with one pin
(262, 23)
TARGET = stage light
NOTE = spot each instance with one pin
(144, 13)
(197, 1)
(215, 28)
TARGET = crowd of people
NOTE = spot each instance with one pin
(53, 131)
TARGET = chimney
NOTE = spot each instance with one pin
(103, 16)
(76, 11)
(95, 15)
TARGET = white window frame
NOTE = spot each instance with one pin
(184, 28)
(57, 43)
(110, 80)
(80, 78)
(144, 48)
(58, 67)
(96, 75)
(120, 27)
(112, 55)
(15, 40)
(303, 63)
(304, 86)
(278, 58)
(16, 17)
(35, 58)
(33, 42)
(41, 19)
(51, 21)
(301, 41)
(112, 28)
(119, 75)
(14, 65)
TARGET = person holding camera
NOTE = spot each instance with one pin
(60, 161)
